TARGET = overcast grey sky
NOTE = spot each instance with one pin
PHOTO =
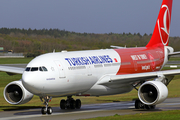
(91, 16)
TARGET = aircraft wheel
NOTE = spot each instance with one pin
(63, 104)
(147, 107)
(49, 110)
(72, 104)
(139, 104)
(44, 110)
(152, 107)
(78, 104)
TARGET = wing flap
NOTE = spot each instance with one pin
(133, 78)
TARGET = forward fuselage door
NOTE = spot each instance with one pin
(89, 70)
(60, 69)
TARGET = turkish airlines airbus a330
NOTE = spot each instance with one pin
(99, 72)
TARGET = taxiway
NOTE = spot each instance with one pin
(88, 111)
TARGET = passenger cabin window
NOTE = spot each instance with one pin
(36, 69)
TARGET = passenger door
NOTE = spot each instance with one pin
(60, 69)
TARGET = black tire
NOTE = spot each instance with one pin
(152, 107)
(72, 104)
(68, 104)
(49, 110)
(139, 104)
(63, 104)
(78, 104)
(147, 107)
(43, 110)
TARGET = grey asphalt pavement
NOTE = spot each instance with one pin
(87, 111)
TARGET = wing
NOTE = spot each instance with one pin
(12, 70)
(133, 78)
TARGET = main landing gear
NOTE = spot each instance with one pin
(46, 109)
(70, 103)
(140, 105)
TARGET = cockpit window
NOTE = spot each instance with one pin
(34, 69)
(28, 69)
(40, 69)
(44, 68)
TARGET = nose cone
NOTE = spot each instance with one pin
(30, 83)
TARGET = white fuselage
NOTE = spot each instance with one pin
(81, 72)
(73, 73)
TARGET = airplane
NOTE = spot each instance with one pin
(99, 72)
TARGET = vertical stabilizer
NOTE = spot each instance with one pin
(162, 28)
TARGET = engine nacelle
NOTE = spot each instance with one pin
(15, 93)
(152, 92)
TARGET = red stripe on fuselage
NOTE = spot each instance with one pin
(138, 60)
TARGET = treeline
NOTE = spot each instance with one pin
(51, 32)
(35, 42)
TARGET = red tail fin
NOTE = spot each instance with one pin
(162, 28)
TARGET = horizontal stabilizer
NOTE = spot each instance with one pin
(117, 47)
(174, 53)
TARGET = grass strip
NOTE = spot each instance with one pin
(162, 115)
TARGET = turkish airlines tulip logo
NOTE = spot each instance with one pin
(164, 24)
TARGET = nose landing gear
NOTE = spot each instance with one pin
(70, 103)
(46, 109)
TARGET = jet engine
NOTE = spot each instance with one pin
(15, 93)
(152, 92)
